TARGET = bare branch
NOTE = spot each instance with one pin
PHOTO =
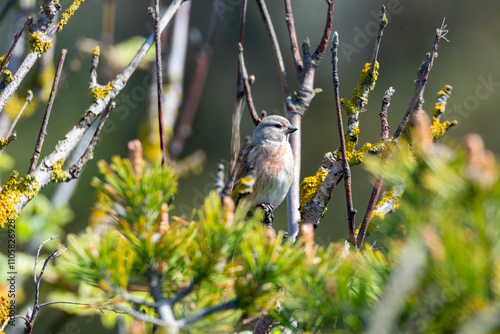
(17, 36)
(246, 84)
(351, 212)
(75, 170)
(381, 25)
(440, 33)
(208, 311)
(386, 101)
(28, 100)
(290, 23)
(36, 307)
(274, 43)
(159, 80)
(45, 122)
(323, 44)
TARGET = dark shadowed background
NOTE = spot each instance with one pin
(470, 62)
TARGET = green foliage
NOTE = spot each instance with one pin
(437, 267)
(224, 258)
(449, 209)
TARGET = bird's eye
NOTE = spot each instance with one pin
(279, 126)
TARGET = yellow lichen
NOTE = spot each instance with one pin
(310, 185)
(58, 174)
(38, 45)
(101, 92)
(384, 20)
(366, 84)
(96, 52)
(4, 309)
(348, 106)
(356, 157)
(3, 143)
(438, 129)
(441, 100)
(2, 59)
(12, 191)
(7, 76)
(69, 13)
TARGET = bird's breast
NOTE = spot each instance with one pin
(274, 159)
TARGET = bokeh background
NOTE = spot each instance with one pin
(470, 62)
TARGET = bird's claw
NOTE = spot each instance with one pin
(268, 213)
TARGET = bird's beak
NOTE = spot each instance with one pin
(291, 129)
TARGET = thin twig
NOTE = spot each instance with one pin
(159, 82)
(203, 58)
(75, 170)
(119, 310)
(240, 92)
(275, 45)
(28, 100)
(323, 43)
(29, 325)
(381, 25)
(181, 294)
(230, 305)
(45, 122)
(290, 23)
(351, 212)
(440, 33)
(17, 36)
(386, 102)
(246, 84)
(360, 238)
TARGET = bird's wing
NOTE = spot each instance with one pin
(242, 164)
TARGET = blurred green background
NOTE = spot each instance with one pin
(470, 62)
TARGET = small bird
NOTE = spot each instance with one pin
(271, 157)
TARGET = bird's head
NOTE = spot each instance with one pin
(273, 128)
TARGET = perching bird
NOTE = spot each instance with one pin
(270, 155)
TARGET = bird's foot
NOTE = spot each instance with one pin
(268, 213)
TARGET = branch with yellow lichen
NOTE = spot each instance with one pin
(359, 98)
(438, 129)
(44, 172)
(13, 191)
(41, 34)
(316, 191)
